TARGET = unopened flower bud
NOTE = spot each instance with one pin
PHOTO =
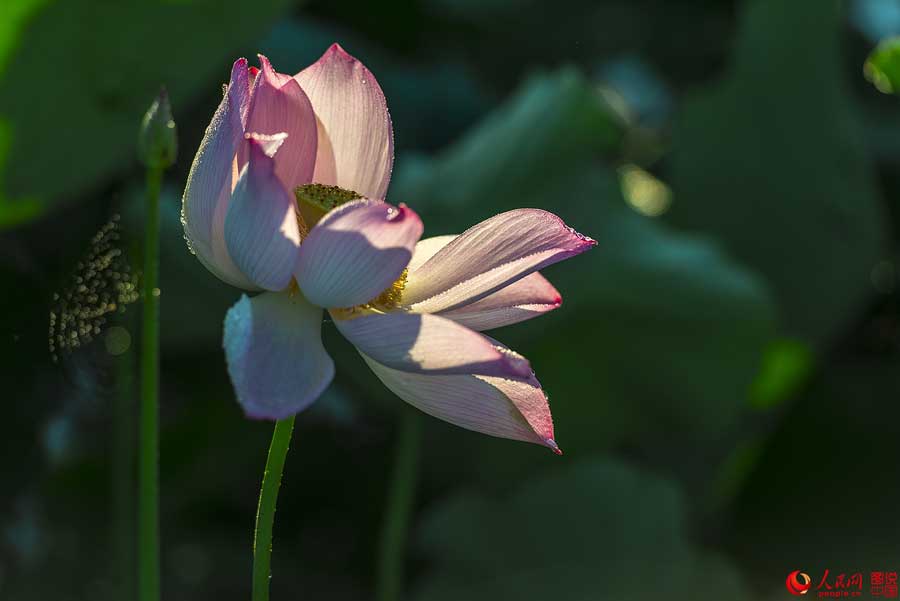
(158, 138)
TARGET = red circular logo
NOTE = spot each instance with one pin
(797, 583)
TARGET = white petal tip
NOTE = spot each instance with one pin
(268, 143)
(400, 212)
(551, 444)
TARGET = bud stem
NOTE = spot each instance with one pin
(391, 556)
(148, 463)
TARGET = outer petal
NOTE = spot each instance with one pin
(273, 346)
(280, 105)
(430, 344)
(529, 297)
(506, 408)
(489, 256)
(261, 227)
(355, 252)
(356, 139)
(211, 179)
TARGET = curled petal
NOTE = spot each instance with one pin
(490, 256)
(211, 179)
(502, 407)
(356, 139)
(273, 347)
(529, 297)
(430, 344)
(355, 252)
(261, 227)
(280, 105)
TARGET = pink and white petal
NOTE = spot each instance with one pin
(211, 180)
(355, 252)
(489, 256)
(430, 344)
(426, 248)
(279, 105)
(261, 229)
(529, 297)
(506, 408)
(274, 352)
(356, 146)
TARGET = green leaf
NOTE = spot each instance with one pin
(770, 161)
(882, 67)
(787, 365)
(596, 530)
(14, 15)
(79, 75)
(826, 473)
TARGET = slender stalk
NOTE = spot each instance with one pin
(391, 556)
(148, 461)
(123, 484)
(265, 512)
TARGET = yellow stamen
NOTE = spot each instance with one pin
(389, 300)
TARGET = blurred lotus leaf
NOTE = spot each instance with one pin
(822, 471)
(595, 530)
(771, 163)
(658, 331)
(787, 366)
(78, 75)
(557, 124)
(882, 67)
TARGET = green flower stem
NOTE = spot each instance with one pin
(148, 461)
(123, 483)
(391, 556)
(265, 512)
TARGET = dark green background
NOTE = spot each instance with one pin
(724, 377)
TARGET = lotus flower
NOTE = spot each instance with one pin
(285, 196)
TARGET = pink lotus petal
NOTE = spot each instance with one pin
(426, 248)
(502, 407)
(430, 344)
(273, 346)
(355, 252)
(356, 140)
(490, 256)
(529, 297)
(211, 179)
(280, 105)
(261, 227)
